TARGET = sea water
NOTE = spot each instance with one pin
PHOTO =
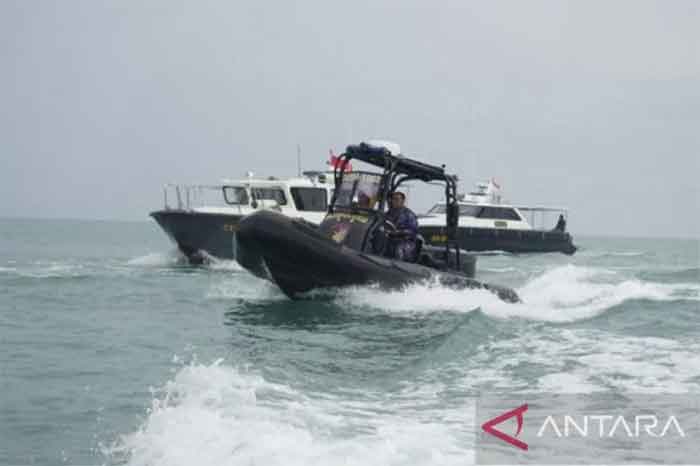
(114, 351)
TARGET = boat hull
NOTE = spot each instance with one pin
(215, 234)
(196, 233)
(295, 256)
(499, 239)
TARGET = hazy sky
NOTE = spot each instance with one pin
(593, 105)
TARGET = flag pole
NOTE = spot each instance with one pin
(299, 160)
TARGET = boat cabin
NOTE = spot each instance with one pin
(484, 208)
(481, 216)
(307, 196)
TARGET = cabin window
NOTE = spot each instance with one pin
(469, 210)
(310, 199)
(235, 195)
(437, 209)
(269, 194)
(358, 190)
(499, 213)
(477, 211)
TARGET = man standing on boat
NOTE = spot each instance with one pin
(561, 224)
(402, 241)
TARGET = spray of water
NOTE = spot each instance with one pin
(159, 259)
(561, 294)
(216, 414)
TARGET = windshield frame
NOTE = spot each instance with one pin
(348, 200)
(398, 169)
(237, 189)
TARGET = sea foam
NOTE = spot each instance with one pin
(216, 414)
(561, 294)
(159, 259)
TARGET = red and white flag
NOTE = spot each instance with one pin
(335, 162)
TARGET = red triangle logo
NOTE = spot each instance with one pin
(488, 427)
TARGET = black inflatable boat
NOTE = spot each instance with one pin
(350, 245)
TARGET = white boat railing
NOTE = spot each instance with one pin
(191, 196)
(543, 217)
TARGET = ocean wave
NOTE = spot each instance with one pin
(175, 258)
(599, 254)
(419, 298)
(246, 288)
(217, 414)
(223, 265)
(495, 252)
(48, 269)
(498, 269)
(159, 259)
(585, 360)
(562, 294)
(689, 275)
(589, 360)
(569, 293)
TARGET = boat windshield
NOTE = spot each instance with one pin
(438, 209)
(359, 190)
(464, 210)
(235, 195)
(485, 212)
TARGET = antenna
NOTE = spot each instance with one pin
(298, 159)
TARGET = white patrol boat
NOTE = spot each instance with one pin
(202, 219)
(486, 223)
